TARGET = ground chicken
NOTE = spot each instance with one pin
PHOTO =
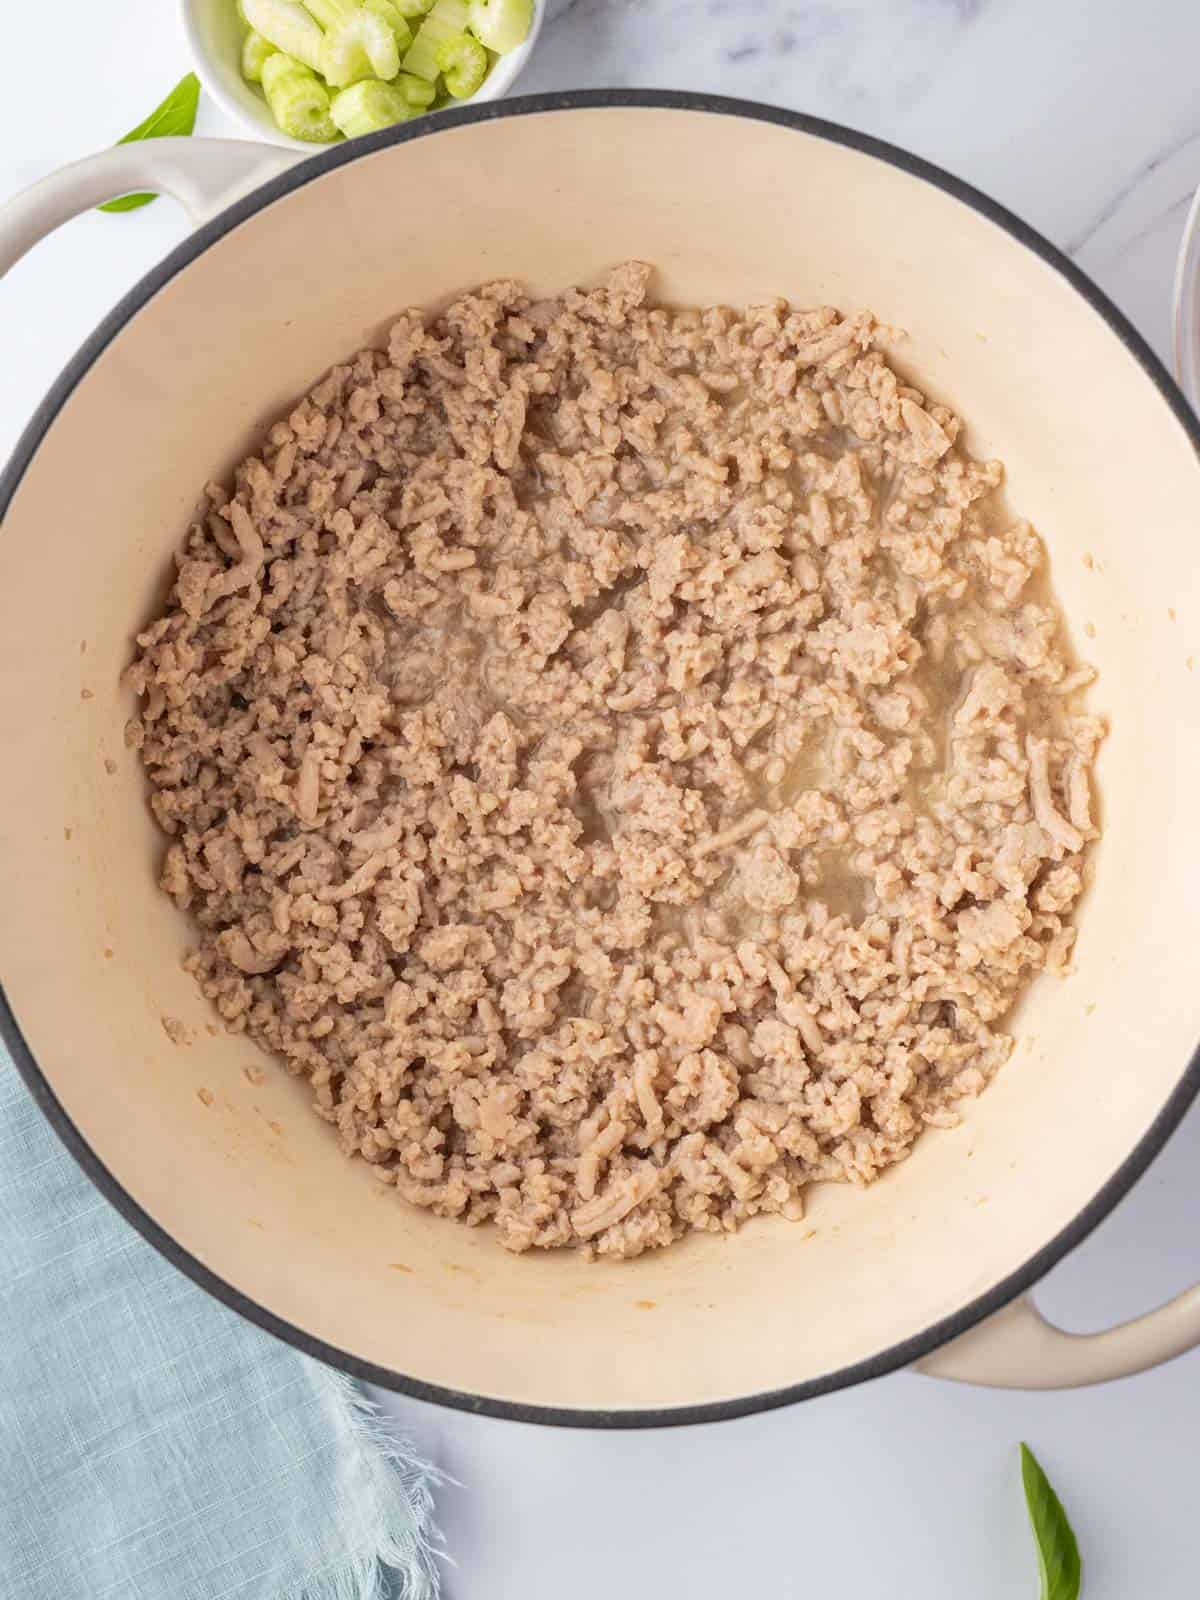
(619, 758)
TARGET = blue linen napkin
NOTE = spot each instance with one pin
(157, 1447)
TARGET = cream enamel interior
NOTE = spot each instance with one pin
(252, 1184)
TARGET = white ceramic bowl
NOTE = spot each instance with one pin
(215, 34)
(1186, 327)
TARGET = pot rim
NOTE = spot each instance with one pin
(896, 1356)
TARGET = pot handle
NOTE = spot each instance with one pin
(1018, 1349)
(204, 175)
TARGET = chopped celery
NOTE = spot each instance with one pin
(298, 99)
(255, 50)
(368, 106)
(464, 64)
(287, 26)
(401, 31)
(412, 8)
(501, 24)
(419, 94)
(362, 46)
(447, 18)
(330, 12)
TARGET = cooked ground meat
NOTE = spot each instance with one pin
(621, 757)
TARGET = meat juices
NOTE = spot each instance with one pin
(615, 755)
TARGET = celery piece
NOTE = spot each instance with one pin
(464, 64)
(412, 8)
(401, 31)
(447, 18)
(288, 27)
(419, 94)
(255, 50)
(501, 24)
(363, 46)
(298, 99)
(330, 12)
(368, 106)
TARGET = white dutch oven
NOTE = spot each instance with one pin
(1186, 321)
(248, 1194)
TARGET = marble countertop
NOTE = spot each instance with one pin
(1084, 119)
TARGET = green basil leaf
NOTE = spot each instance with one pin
(1057, 1552)
(174, 118)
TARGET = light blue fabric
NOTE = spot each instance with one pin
(154, 1445)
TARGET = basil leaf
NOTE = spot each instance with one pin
(1057, 1552)
(175, 117)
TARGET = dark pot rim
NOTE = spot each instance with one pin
(886, 1361)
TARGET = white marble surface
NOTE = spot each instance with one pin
(1084, 118)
